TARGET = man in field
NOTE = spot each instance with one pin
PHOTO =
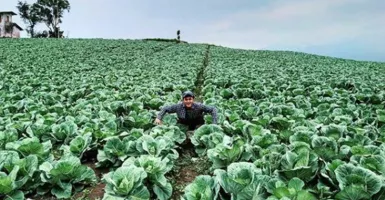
(189, 113)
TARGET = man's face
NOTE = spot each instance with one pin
(188, 101)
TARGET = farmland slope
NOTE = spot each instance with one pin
(76, 120)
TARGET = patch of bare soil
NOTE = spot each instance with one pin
(91, 193)
(96, 191)
(99, 172)
(186, 169)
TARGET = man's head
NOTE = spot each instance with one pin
(188, 98)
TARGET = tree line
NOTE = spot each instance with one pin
(48, 12)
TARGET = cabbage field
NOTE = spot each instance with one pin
(77, 122)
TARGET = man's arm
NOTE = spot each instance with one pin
(213, 111)
(167, 109)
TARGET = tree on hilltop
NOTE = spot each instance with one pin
(178, 35)
(29, 14)
(49, 12)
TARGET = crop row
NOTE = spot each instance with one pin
(60, 100)
(292, 126)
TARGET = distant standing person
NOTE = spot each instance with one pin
(190, 113)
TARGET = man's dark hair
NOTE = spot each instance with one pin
(188, 94)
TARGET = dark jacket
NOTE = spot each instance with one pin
(198, 110)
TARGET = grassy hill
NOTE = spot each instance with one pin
(77, 122)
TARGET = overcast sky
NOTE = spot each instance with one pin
(352, 29)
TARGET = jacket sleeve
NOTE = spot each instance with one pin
(213, 111)
(167, 109)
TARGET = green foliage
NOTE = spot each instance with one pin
(203, 187)
(313, 125)
(161, 40)
(57, 107)
(291, 125)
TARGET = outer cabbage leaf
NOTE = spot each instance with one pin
(357, 181)
(126, 182)
(204, 187)
(243, 181)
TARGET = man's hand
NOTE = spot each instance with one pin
(158, 121)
